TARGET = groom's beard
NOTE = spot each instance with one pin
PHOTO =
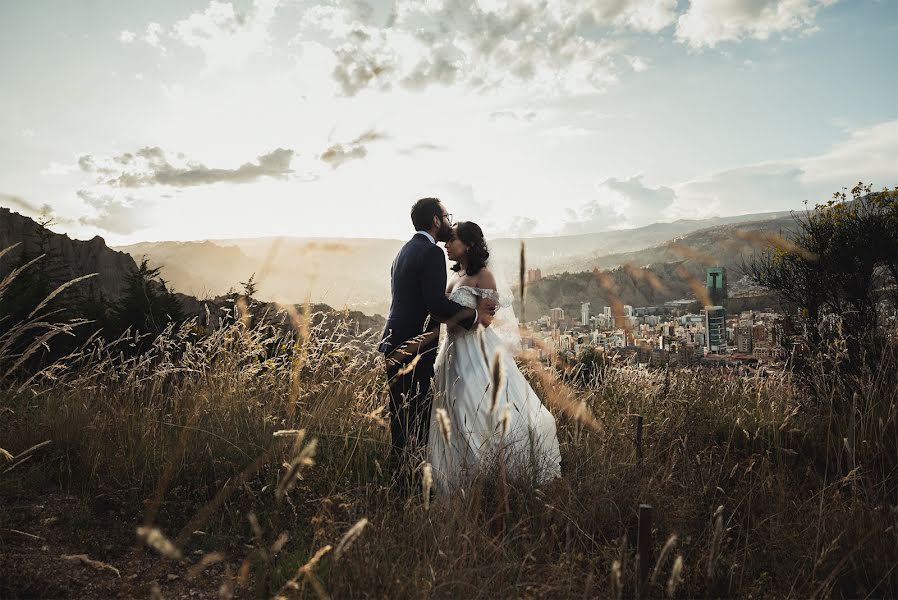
(444, 233)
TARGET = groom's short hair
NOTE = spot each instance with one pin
(423, 212)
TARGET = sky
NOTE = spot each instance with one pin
(196, 119)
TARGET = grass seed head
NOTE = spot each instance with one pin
(155, 539)
(445, 425)
(616, 587)
(676, 577)
(350, 537)
(427, 481)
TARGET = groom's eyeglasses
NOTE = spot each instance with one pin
(449, 216)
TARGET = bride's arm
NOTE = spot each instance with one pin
(486, 307)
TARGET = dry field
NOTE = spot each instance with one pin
(249, 462)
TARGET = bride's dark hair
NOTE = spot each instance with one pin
(477, 253)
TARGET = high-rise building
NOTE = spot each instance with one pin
(716, 284)
(584, 314)
(606, 311)
(744, 337)
(557, 315)
(715, 329)
(628, 310)
(534, 275)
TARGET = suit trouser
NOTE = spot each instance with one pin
(410, 403)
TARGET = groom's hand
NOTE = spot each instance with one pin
(486, 311)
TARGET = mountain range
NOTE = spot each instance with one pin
(645, 266)
(355, 272)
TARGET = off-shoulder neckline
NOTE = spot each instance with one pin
(474, 288)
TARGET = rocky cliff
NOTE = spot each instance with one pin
(72, 257)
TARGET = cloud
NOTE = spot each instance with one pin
(338, 154)
(637, 63)
(867, 154)
(461, 199)
(126, 37)
(619, 202)
(151, 36)
(522, 226)
(593, 216)
(550, 48)
(228, 38)
(709, 22)
(514, 116)
(563, 46)
(19, 203)
(57, 169)
(150, 166)
(749, 189)
(122, 215)
(637, 200)
(641, 15)
(421, 147)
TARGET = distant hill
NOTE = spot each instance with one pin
(721, 245)
(670, 271)
(356, 272)
(578, 252)
(196, 268)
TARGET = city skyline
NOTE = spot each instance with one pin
(195, 120)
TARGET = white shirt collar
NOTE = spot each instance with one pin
(428, 236)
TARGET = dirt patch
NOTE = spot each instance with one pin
(60, 546)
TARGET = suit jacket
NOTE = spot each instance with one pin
(418, 286)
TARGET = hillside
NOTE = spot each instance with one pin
(340, 273)
(72, 258)
(557, 254)
(671, 271)
(723, 244)
(184, 262)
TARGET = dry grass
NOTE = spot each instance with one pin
(282, 421)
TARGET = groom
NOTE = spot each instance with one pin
(411, 334)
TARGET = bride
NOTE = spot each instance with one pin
(474, 423)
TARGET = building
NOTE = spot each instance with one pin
(557, 315)
(745, 339)
(715, 329)
(688, 354)
(566, 343)
(534, 275)
(716, 284)
(607, 311)
(584, 314)
(766, 352)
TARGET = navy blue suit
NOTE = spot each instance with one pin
(418, 306)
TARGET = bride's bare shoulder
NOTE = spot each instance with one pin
(486, 280)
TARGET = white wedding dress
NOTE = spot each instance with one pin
(518, 431)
